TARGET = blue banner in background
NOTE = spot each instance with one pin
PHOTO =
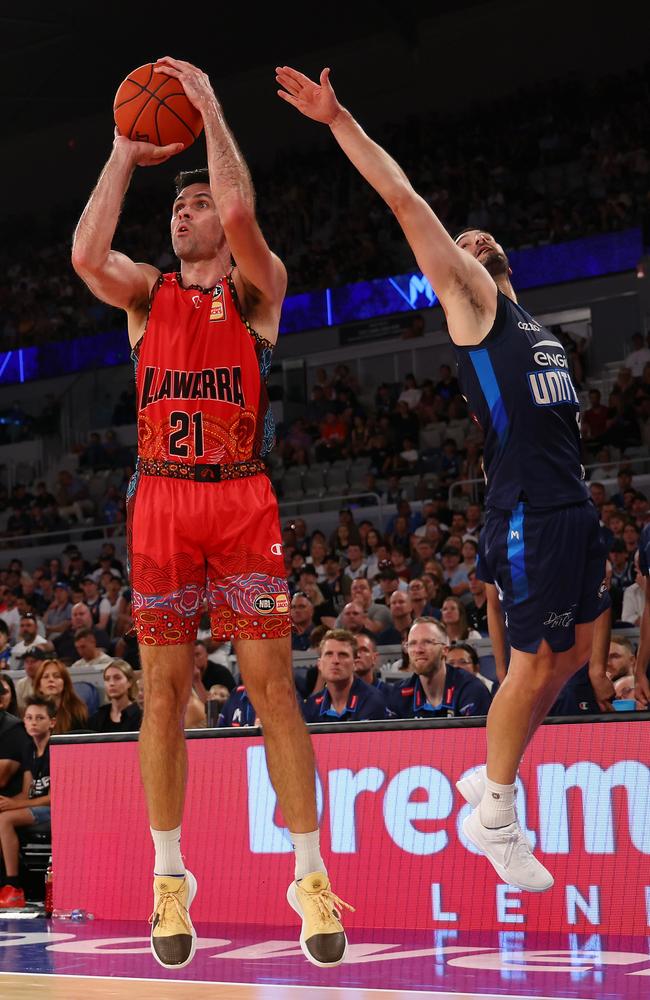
(589, 257)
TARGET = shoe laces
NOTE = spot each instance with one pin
(512, 836)
(168, 901)
(328, 904)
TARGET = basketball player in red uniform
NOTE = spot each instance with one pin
(202, 516)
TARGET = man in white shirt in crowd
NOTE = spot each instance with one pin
(29, 639)
(90, 656)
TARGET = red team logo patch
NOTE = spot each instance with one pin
(218, 308)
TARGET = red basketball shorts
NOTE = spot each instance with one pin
(194, 542)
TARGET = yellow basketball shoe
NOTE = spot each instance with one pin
(322, 937)
(173, 938)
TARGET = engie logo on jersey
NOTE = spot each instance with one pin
(218, 307)
(268, 604)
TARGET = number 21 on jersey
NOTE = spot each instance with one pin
(182, 425)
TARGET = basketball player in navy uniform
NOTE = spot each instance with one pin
(542, 545)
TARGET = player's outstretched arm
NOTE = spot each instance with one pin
(448, 268)
(263, 274)
(111, 275)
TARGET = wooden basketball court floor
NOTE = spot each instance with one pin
(64, 960)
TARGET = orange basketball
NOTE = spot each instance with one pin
(152, 107)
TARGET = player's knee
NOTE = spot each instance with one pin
(165, 704)
(274, 694)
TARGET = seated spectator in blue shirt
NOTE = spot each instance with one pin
(345, 697)
(435, 689)
(365, 663)
(238, 710)
(302, 621)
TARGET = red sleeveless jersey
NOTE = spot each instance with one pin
(201, 374)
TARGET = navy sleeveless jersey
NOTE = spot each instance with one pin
(518, 387)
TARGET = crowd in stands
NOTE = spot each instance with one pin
(580, 166)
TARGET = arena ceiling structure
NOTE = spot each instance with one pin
(56, 58)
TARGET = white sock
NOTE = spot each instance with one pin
(497, 807)
(168, 859)
(307, 850)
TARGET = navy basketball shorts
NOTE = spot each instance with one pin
(549, 567)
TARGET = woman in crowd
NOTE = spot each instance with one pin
(374, 541)
(53, 681)
(8, 701)
(454, 618)
(317, 554)
(122, 713)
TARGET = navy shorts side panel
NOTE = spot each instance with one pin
(549, 566)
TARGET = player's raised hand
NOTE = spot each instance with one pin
(194, 81)
(146, 154)
(314, 100)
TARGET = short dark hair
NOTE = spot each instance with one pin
(466, 648)
(83, 633)
(42, 702)
(187, 177)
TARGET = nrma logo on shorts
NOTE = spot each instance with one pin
(552, 387)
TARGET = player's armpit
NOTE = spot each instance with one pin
(119, 281)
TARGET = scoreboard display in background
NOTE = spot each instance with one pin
(391, 830)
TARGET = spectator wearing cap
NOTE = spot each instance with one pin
(30, 663)
(90, 657)
(622, 576)
(100, 607)
(345, 696)
(57, 616)
(28, 639)
(80, 617)
(401, 614)
(386, 583)
(435, 689)
(454, 575)
(302, 620)
(463, 655)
